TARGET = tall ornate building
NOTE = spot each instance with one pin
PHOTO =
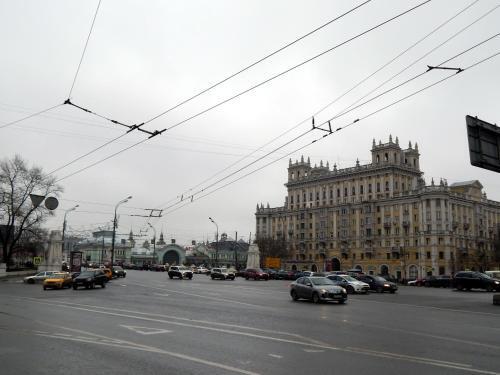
(382, 218)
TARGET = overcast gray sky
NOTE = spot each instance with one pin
(144, 57)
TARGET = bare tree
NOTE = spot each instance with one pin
(18, 216)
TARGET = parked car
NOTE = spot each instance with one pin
(119, 272)
(475, 280)
(273, 274)
(317, 289)
(256, 274)
(240, 273)
(58, 281)
(286, 275)
(222, 274)
(90, 278)
(39, 277)
(378, 283)
(441, 281)
(107, 271)
(202, 270)
(350, 284)
(181, 272)
(420, 281)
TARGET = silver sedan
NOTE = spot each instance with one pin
(39, 277)
(317, 289)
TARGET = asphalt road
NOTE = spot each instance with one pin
(148, 324)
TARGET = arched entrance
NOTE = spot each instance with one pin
(294, 267)
(413, 272)
(358, 267)
(171, 257)
(314, 268)
(384, 270)
(335, 264)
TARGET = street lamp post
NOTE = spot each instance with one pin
(154, 243)
(114, 230)
(216, 243)
(64, 230)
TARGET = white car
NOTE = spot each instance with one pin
(39, 277)
(350, 283)
(202, 270)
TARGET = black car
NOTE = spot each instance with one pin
(273, 274)
(89, 279)
(181, 272)
(475, 280)
(378, 283)
(119, 272)
(441, 281)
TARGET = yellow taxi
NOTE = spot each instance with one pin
(107, 272)
(58, 280)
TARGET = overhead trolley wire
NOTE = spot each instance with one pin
(295, 66)
(30, 116)
(339, 129)
(186, 192)
(422, 57)
(84, 50)
(156, 132)
(258, 61)
(331, 119)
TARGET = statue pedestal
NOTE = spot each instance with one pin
(253, 257)
(53, 253)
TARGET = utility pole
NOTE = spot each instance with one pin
(65, 252)
(154, 243)
(236, 251)
(216, 243)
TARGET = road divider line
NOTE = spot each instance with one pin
(368, 352)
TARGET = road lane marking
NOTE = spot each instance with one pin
(368, 352)
(314, 351)
(204, 296)
(151, 349)
(275, 355)
(145, 330)
(298, 336)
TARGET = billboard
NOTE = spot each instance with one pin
(270, 262)
(484, 144)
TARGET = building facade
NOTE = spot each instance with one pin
(382, 218)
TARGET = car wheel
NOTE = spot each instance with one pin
(294, 295)
(213, 278)
(380, 289)
(75, 287)
(341, 301)
(180, 277)
(44, 288)
(103, 285)
(190, 277)
(350, 289)
(489, 288)
(427, 285)
(92, 286)
(246, 277)
(31, 281)
(315, 298)
(460, 287)
(170, 277)
(392, 291)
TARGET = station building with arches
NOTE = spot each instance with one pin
(382, 218)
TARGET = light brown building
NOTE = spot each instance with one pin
(382, 218)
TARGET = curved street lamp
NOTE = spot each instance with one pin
(216, 243)
(114, 230)
(64, 230)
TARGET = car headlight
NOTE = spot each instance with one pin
(323, 291)
(343, 290)
(497, 282)
(387, 285)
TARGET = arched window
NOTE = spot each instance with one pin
(377, 159)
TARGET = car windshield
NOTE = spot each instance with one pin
(183, 268)
(58, 276)
(485, 276)
(380, 278)
(87, 273)
(321, 281)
